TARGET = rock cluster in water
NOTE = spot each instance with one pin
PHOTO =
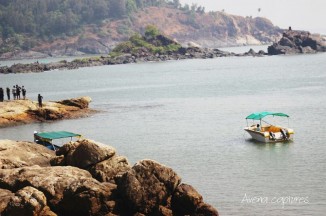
(89, 178)
(294, 42)
(16, 112)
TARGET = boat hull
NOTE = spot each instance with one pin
(266, 137)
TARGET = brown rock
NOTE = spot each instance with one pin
(15, 154)
(88, 153)
(105, 171)
(5, 196)
(28, 201)
(146, 186)
(185, 200)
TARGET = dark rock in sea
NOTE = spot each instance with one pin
(185, 200)
(294, 42)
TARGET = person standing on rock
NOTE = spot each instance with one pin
(18, 90)
(24, 92)
(8, 93)
(1, 95)
(40, 98)
(14, 92)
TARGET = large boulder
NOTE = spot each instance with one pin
(63, 187)
(28, 201)
(15, 154)
(107, 170)
(88, 153)
(99, 159)
(147, 186)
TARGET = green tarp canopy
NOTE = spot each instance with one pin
(56, 135)
(260, 115)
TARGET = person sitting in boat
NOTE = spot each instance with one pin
(258, 127)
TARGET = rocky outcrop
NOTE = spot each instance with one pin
(294, 42)
(16, 112)
(147, 188)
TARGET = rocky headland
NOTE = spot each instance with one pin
(17, 112)
(89, 178)
(296, 42)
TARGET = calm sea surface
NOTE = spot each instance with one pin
(190, 115)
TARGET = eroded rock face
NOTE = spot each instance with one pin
(63, 188)
(147, 185)
(15, 154)
(28, 201)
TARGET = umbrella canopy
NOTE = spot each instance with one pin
(260, 115)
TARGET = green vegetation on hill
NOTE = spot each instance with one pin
(153, 42)
(26, 24)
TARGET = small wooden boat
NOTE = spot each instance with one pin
(46, 138)
(268, 133)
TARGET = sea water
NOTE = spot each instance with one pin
(190, 115)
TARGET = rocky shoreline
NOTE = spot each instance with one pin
(17, 112)
(292, 42)
(89, 178)
(183, 53)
